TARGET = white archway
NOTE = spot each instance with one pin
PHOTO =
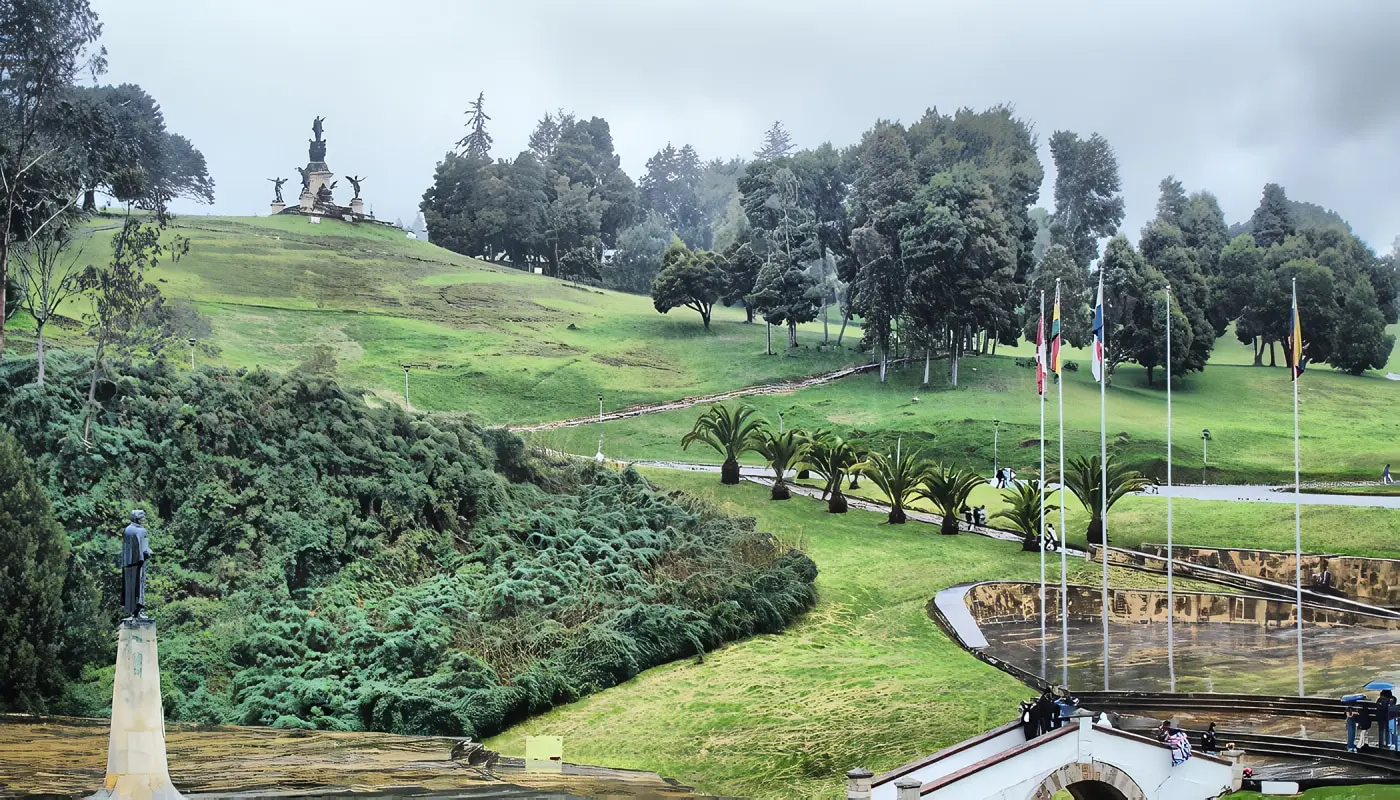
(1095, 781)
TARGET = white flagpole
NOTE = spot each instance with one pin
(1103, 455)
(1064, 562)
(1171, 602)
(1043, 374)
(1297, 490)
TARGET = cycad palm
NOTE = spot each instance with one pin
(730, 433)
(948, 488)
(897, 476)
(1083, 478)
(782, 451)
(1024, 512)
(831, 457)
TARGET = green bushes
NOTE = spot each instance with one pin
(324, 564)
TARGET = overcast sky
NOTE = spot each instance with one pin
(1226, 95)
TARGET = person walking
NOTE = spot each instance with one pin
(1001, 478)
(1354, 717)
(1363, 724)
(1385, 715)
(1385, 475)
(1052, 541)
(1028, 723)
(1180, 746)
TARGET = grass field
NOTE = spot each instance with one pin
(507, 346)
(1347, 424)
(866, 679)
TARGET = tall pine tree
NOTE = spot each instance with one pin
(477, 142)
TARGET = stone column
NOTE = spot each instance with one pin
(357, 206)
(907, 789)
(858, 784)
(136, 764)
(277, 208)
(1236, 768)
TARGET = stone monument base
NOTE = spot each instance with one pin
(277, 208)
(136, 765)
(357, 207)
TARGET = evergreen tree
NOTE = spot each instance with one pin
(1171, 200)
(31, 586)
(883, 179)
(740, 266)
(671, 189)
(1272, 221)
(1058, 265)
(1132, 288)
(477, 142)
(1088, 203)
(693, 280)
(785, 294)
(1361, 341)
(1165, 246)
(777, 142)
(638, 257)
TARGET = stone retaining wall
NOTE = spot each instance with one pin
(1375, 581)
(1007, 601)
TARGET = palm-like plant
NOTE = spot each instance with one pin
(897, 476)
(1024, 512)
(831, 457)
(730, 432)
(948, 489)
(782, 450)
(1083, 477)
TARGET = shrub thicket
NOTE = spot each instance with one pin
(321, 563)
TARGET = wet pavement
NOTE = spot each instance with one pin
(1229, 658)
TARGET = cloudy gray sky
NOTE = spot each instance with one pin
(1226, 95)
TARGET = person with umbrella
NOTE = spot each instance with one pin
(1385, 712)
(1358, 721)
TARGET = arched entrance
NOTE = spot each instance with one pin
(1096, 781)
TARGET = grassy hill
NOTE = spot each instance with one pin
(509, 347)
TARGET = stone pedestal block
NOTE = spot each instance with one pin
(307, 200)
(319, 178)
(136, 764)
(357, 206)
(277, 208)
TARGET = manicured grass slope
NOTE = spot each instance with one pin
(1348, 424)
(505, 345)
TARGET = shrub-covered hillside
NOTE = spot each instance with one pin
(323, 563)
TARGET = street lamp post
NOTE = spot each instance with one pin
(598, 457)
(405, 384)
(996, 432)
(1205, 437)
(192, 342)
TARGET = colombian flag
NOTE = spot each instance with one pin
(1055, 333)
(1040, 350)
(1295, 341)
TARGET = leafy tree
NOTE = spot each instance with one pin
(50, 275)
(1026, 507)
(638, 258)
(718, 195)
(584, 155)
(321, 363)
(781, 451)
(477, 142)
(1088, 202)
(948, 489)
(523, 203)
(692, 280)
(883, 180)
(46, 44)
(898, 476)
(832, 458)
(670, 189)
(1171, 200)
(777, 142)
(1131, 289)
(1203, 226)
(1362, 342)
(1075, 314)
(740, 267)
(1272, 221)
(572, 222)
(1235, 289)
(545, 138)
(785, 294)
(1083, 477)
(730, 432)
(31, 586)
(455, 205)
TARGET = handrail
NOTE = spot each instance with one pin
(991, 761)
(920, 763)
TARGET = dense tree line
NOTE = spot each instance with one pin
(320, 563)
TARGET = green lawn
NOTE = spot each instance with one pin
(1348, 428)
(1367, 792)
(866, 679)
(504, 345)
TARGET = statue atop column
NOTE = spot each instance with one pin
(317, 149)
(305, 177)
(277, 187)
(355, 181)
(136, 551)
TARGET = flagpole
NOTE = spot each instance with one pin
(1040, 526)
(1064, 559)
(1103, 456)
(1171, 602)
(1297, 348)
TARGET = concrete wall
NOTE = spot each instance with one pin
(1375, 581)
(1007, 601)
(948, 761)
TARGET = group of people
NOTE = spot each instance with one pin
(1361, 714)
(1180, 744)
(1050, 711)
(1006, 477)
(975, 516)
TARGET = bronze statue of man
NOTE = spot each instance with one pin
(277, 187)
(136, 551)
(316, 127)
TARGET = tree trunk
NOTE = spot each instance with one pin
(780, 491)
(767, 338)
(4, 274)
(826, 332)
(927, 356)
(882, 358)
(996, 335)
(792, 335)
(1030, 544)
(844, 319)
(1095, 532)
(748, 314)
(1272, 363)
(90, 200)
(705, 317)
(837, 504)
(1149, 374)
(986, 342)
(39, 348)
(1258, 348)
(897, 516)
(954, 359)
(729, 472)
(855, 481)
(949, 526)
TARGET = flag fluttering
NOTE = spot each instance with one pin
(1096, 364)
(1040, 350)
(1055, 333)
(1295, 342)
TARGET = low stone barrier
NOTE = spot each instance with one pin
(1013, 601)
(1375, 581)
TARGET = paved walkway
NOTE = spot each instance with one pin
(953, 606)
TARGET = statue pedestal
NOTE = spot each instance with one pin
(307, 200)
(136, 764)
(277, 208)
(357, 206)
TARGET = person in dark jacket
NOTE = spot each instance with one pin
(1363, 725)
(1045, 712)
(1385, 712)
(1208, 741)
(1028, 723)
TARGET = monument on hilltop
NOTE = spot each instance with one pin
(317, 198)
(136, 763)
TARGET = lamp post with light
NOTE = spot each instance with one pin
(1205, 438)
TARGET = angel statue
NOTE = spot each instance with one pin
(277, 187)
(355, 181)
